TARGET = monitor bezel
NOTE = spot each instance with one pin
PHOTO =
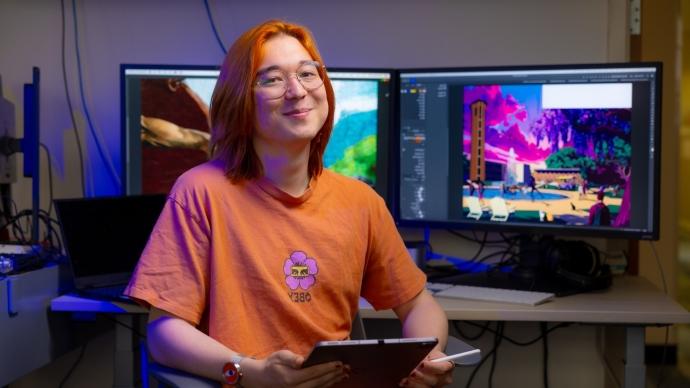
(560, 230)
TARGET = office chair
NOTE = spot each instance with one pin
(173, 378)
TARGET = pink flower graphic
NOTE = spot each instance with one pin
(300, 270)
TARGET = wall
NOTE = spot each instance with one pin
(683, 194)
(364, 33)
(355, 33)
(660, 41)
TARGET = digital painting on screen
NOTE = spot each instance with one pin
(351, 149)
(530, 158)
(174, 129)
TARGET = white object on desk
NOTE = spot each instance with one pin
(531, 298)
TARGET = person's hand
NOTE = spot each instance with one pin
(430, 374)
(282, 369)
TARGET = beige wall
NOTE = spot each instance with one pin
(684, 135)
(660, 42)
(357, 33)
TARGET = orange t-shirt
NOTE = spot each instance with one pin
(260, 270)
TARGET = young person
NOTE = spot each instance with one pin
(260, 253)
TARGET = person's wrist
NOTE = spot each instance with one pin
(234, 371)
(251, 371)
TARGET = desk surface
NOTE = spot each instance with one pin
(74, 303)
(631, 300)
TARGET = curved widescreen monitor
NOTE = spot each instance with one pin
(558, 149)
(161, 100)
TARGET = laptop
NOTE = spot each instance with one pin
(104, 238)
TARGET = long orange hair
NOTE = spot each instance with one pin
(233, 109)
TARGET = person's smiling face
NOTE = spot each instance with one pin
(297, 116)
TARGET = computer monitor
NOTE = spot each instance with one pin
(550, 150)
(177, 98)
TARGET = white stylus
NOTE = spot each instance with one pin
(456, 356)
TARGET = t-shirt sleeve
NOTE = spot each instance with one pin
(172, 273)
(391, 277)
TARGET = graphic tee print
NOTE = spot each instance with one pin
(300, 271)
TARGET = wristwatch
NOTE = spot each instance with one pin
(232, 371)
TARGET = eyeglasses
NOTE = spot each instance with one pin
(273, 82)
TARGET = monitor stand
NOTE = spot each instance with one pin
(547, 265)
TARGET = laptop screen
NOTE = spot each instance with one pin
(105, 236)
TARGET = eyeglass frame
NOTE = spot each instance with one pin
(320, 68)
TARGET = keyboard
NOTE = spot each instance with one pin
(531, 298)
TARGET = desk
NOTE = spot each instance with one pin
(632, 302)
(127, 315)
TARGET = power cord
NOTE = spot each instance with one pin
(497, 333)
(499, 336)
(69, 105)
(497, 343)
(83, 350)
(74, 366)
(50, 179)
(213, 27)
(471, 337)
(475, 239)
(132, 329)
(106, 160)
(519, 343)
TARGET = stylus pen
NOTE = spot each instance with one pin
(456, 356)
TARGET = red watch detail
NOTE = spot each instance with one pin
(231, 374)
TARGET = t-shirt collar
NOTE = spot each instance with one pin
(271, 189)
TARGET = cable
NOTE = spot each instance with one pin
(69, 104)
(481, 362)
(213, 27)
(658, 265)
(6, 203)
(74, 366)
(456, 324)
(545, 342)
(133, 330)
(497, 343)
(19, 233)
(518, 343)
(660, 378)
(50, 179)
(477, 240)
(96, 140)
